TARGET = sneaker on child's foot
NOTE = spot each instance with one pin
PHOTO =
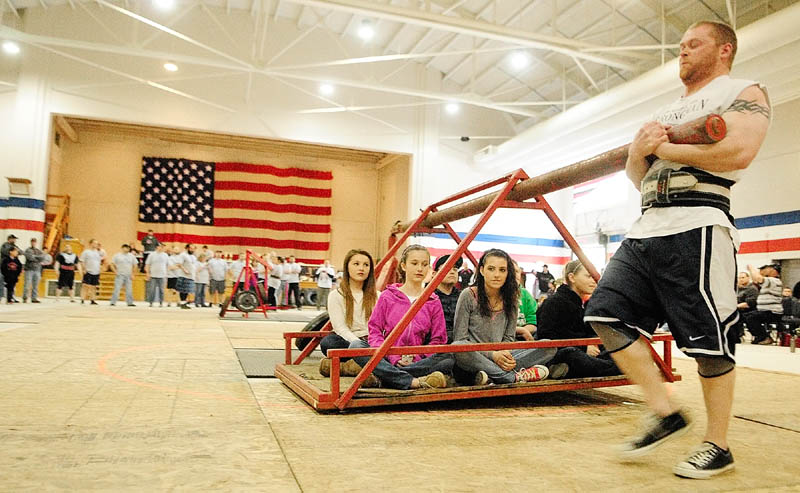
(349, 368)
(558, 371)
(325, 367)
(481, 378)
(532, 374)
(705, 461)
(435, 380)
(657, 431)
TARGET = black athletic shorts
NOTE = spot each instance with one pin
(687, 280)
(66, 279)
(172, 282)
(91, 279)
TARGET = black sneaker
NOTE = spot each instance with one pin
(656, 433)
(706, 461)
(558, 371)
(94, 302)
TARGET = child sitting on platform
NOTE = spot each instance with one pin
(487, 312)
(526, 318)
(349, 308)
(410, 371)
(561, 317)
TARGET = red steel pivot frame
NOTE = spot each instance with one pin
(513, 194)
(250, 280)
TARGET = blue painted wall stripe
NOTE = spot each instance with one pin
(764, 220)
(515, 240)
(21, 202)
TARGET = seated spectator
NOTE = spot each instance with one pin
(561, 317)
(349, 308)
(526, 318)
(487, 312)
(746, 296)
(769, 307)
(410, 371)
(448, 293)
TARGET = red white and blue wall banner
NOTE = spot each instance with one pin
(526, 251)
(774, 235)
(21, 216)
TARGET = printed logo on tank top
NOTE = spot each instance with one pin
(685, 109)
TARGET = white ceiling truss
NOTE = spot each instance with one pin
(575, 49)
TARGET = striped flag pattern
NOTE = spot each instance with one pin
(233, 206)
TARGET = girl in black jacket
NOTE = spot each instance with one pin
(561, 317)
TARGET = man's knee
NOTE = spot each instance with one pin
(714, 367)
(613, 339)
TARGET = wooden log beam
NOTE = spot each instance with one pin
(705, 130)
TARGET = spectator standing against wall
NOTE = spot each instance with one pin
(292, 270)
(202, 277)
(544, 278)
(155, 267)
(325, 276)
(90, 263)
(34, 257)
(217, 269)
(66, 263)
(274, 281)
(149, 244)
(122, 264)
(5, 252)
(11, 267)
(185, 267)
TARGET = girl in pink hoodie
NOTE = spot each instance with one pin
(427, 327)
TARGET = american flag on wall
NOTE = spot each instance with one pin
(233, 206)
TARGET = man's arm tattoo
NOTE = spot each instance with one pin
(744, 106)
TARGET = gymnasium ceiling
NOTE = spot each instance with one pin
(246, 54)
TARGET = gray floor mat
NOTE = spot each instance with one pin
(260, 363)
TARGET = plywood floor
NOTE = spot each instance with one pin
(98, 398)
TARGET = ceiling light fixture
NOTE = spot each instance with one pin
(519, 60)
(164, 4)
(366, 31)
(170, 67)
(326, 89)
(10, 47)
(452, 108)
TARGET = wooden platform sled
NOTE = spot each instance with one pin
(324, 394)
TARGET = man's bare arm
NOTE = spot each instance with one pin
(747, 120)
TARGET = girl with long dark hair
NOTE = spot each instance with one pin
(487, 312)
(349, 308)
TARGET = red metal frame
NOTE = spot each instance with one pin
(333, 399)
(250, 279)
